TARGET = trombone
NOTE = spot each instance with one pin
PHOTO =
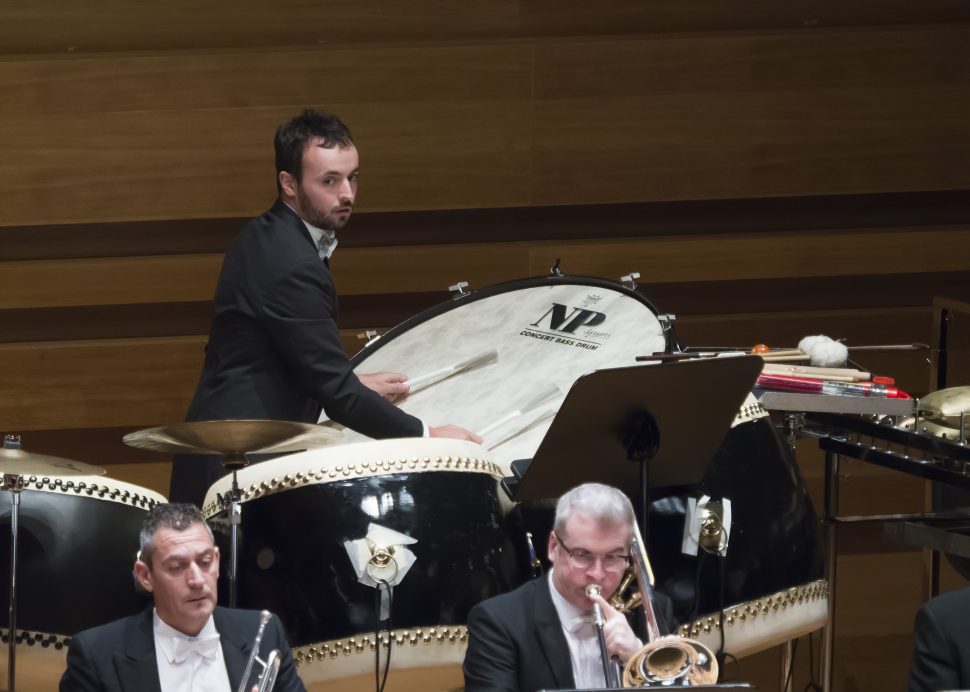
(663, 660)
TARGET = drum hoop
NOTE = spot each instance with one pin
(326, 652)
(314, 474)
(497, 289)
(751, 410)
(96, 488)
(737, 616)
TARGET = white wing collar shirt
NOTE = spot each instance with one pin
(584, 648)
(325, 240)
(190, 663)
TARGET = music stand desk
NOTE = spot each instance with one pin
(691, 404)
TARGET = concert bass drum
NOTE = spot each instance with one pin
(547, 332)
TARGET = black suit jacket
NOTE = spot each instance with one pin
(516, 642)
(274, 348)
(120, 656)
(941, 644)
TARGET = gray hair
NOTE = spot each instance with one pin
(178, 516)
(605, 504)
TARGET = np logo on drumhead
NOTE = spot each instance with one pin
(570, 326)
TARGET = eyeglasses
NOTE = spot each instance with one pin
(584, 559)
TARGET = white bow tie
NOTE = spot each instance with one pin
(326, 245)
(577, 623)
(206, 648)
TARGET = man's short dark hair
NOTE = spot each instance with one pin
(178, 516)
(292, 137)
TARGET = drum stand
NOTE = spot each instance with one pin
(233, 462)
(14, 484)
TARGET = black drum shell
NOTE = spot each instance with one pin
(775, 541)
(74, 560)
(775, 536)
(293, 561)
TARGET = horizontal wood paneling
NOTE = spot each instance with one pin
(519, 123)
(56, 26)
(416, 269)
(271, 78)
(148, 381)
(552, 223)
(98, 384)
(778, 255)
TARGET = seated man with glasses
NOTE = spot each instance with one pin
(541, 636)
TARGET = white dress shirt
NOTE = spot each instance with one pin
(325, 240)
(189, 663)
(584, 648)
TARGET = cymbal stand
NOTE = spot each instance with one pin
(13, 483)
(233, 461)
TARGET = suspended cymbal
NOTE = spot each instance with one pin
(944, 406)
(232, 437)
(17, 462)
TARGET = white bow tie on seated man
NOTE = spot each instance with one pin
(185, 642)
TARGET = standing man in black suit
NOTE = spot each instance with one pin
(941, 644)
(274, 347)
(541, 635)
(185, 642)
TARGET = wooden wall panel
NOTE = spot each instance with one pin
(95, 384)
(565, 121)
(389, 270)
(56, 26)
(764, 256)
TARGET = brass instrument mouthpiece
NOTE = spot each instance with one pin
(594, 590)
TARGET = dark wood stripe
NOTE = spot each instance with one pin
(99, 446)
(382, 311)
(189, 236)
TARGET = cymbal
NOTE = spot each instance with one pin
(232, 437)
(17, 462)
(945, 406)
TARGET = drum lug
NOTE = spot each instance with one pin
(630, 280)
(370, 335)
(667, 324)
(459, 289)
(554, 269)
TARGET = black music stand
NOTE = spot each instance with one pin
(669, 418)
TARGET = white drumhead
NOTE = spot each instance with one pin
(545, 335)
